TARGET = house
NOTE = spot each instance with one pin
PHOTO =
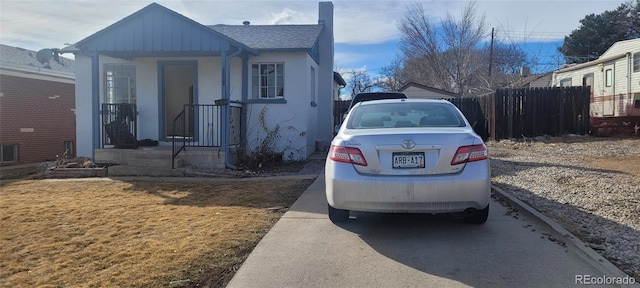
(246, 89)
(419, 91)
(37, 106)
(535, 80)
(614, 79)
(338, 83)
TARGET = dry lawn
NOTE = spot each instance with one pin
(627, 164)
(134, 234)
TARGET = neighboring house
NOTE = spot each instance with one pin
(37, 101)
(165, 77)
(535, 81)
(419, 91)
(614, 79)
(338, 83)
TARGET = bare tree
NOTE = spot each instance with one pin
(359, 80)
(448, 55)
(393, 75)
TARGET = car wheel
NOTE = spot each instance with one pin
(478, 217)
(338, 215)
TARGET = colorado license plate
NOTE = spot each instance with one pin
(408, 160)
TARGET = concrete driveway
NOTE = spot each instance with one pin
(304, 249)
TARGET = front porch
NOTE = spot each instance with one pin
(194, 140)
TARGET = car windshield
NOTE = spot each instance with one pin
(405, 114)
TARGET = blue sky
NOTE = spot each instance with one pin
(365, 31)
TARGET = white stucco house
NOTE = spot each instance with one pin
(164, 77)
(614, 79)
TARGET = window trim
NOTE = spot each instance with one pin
(15, 153)
(608, 77)
(132, 79)
(258, 88)
(636, 62)
(566, 80)
(71, 148)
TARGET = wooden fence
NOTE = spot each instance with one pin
(517, 113)
(532, 112)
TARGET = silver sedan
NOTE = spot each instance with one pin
(407, 156)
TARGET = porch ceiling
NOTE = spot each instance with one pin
(156, 31)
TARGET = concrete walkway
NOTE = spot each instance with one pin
(304, 249)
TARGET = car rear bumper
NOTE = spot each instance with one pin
(347, 189)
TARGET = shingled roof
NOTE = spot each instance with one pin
(272, 36)
(21, 58)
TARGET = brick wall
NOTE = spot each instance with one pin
(44, 106)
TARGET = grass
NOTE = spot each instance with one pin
(134, 234)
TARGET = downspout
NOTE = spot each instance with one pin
(629, 95)
(227, 114)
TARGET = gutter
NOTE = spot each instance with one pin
(227, 96)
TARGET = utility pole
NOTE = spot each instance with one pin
(491, 52)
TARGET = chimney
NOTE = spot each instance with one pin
(246, 23)
(525, 71)
(325, 71)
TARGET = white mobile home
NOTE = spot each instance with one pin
(614, 79)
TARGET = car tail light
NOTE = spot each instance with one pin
(347, 155)
(469, 154)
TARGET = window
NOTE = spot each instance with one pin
(565, 82)
(8, 153)
(608, 77)
(636, 62)
(120, 84)
(68, 148)
(267, 81)
(313, 87)
(399, 115)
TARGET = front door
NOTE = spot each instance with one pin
(178, 80)
(609, 89)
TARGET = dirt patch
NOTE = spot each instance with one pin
(93, 233)
(626, 164)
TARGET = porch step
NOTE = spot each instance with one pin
(164, 162)
(129, 170)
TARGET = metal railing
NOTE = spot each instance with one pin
(200, 125)
(119, 127)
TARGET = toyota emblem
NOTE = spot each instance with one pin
(408, 144)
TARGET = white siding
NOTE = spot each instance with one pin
(84, 109)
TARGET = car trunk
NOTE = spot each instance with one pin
(418, 152)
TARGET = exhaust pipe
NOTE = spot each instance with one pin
(469, 212)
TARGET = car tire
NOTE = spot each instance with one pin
(338, 215)
(478, 217)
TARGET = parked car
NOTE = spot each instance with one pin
(369, 96)
(407, 156)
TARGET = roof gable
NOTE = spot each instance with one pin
(622, 47)
(423, 87)
(159, 29)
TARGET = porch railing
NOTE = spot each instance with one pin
(119, 127)
(200, 125)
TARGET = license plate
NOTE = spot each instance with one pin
(408, 160)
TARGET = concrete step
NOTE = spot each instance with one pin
(164, 162)
(128, 170)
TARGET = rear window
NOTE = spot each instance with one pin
(398, 115)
